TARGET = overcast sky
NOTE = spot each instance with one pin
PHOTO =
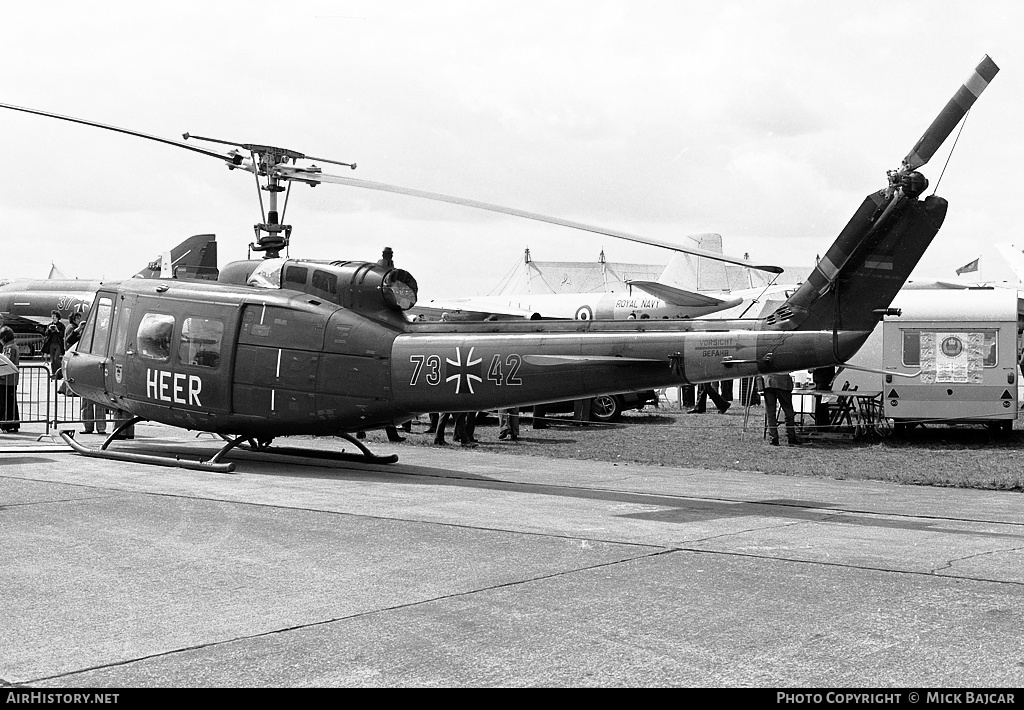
(766, 122)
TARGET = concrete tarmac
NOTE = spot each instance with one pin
(470, 568)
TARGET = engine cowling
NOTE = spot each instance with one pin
(358, 285)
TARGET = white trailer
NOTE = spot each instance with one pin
(964, 343)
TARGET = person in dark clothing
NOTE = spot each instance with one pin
(467, 435)
(73, 333)
(9, 414)
(509, 421)
(460, 434)
(53, 344)
(387, 258)
(778, 392)
(709, 389)
(539, 420)
(822, 378)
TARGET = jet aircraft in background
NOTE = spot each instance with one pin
(689, 287)
(24, 301)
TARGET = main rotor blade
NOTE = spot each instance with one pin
(951, 115)
(158, 139)
(289, 172)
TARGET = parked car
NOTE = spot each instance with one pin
(608, 407)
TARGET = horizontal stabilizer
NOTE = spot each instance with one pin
(919, 285)
(468, 309)
(682, 297)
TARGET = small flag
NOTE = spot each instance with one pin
(967, 268)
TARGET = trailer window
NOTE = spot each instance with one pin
(154, 336)
(200, 342)
(978, 345)
(990, 351)
(912, 348)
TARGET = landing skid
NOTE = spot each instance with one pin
(214, 464)
(263, 445)
(102, 453)
(367, 454)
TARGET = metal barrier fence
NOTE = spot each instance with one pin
(40, 400)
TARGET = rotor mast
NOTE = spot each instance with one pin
(272, 235)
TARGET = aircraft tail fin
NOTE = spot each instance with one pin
(1014, 258)
(194, 258)
(856, 281)
(695, 273)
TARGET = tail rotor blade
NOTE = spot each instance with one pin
(951, 115)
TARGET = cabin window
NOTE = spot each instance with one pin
(325, 282)
(295, 275)
(200, 342)
(154, 336)
(95, 338)
(120, 341)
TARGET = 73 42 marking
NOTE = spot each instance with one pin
(503, 370)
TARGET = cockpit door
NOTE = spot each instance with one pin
(122, 346)
(88, 362)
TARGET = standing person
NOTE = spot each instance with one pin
(387, 258)
(822, 378)
(710, 389)
(778, 391)
(94, 415)
(53, 344)
(9, 383)
(468, 432)
(539, 420)
(442, 422)
(73, 333)
(509, 423)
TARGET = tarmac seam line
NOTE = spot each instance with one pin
(949, 564)
(885, 570)
(428, 473)
(277, 506)
(50, 502)
(325, 622)
(758, 528)
(781, 504)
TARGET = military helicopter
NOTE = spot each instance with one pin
(282, 346)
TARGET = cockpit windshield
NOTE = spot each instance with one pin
(267, 274)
